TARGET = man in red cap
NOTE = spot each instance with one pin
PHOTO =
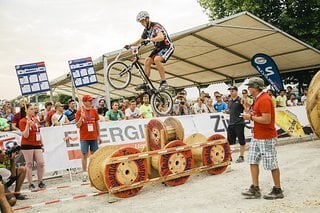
(87, 120)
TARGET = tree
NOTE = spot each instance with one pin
(299, 18)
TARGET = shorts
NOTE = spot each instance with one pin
(264, 149)
(85, 144)
(236, 131)
(165, 53)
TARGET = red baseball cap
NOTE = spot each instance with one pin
(87, 98)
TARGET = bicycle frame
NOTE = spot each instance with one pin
(135, 63)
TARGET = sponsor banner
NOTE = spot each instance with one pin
(32, 78)
(82, 72)
(62, 145)
(265, 65)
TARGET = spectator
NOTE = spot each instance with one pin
(199, 107)
(236, 125)
(262, 146)
(180, 106)
(4, 205)
(125, 105)
(9, 115)
(101, 114)
(271, 94)
(58, 118)
(44, 113)
(289, 92)
(4, 126)
(17, 175)
(138, 101)
(282, 99)
(36, 111)
(210, 106)
(220, 105)
(292, 100)
(114, 114)
(17, 116)
(246, 100)
(146, 109)
(132, 112)
(31, 144)
(71, 111)
(102, 106)
(87, 120)
(49, 117)
(304, 97)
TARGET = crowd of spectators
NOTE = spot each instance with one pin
(61, 114)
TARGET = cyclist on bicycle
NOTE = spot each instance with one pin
(163, 47)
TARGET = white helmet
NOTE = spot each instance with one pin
(142, 15)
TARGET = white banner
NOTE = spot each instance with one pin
(62, 145)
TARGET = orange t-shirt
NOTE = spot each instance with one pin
(264, 104)
(33, 131)
(88, 128)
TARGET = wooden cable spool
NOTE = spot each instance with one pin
(104, 176)
(174, 163)
(216, 154)
(313, 104)
(208, 155)
(172, 128)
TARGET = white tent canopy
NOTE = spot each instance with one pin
(216, 52)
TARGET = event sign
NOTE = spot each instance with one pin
(82, 72)
(265, 65)
(32, 78)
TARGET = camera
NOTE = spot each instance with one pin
(182, 102)
(11, 147)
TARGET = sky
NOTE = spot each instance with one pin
(56, 31)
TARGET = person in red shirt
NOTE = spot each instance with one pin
(87, 120)
(17, 116)
(262, 145)
(31, 145)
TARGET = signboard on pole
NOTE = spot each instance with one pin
(32, 78)
(82, 72)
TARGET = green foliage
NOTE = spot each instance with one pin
(300, 18)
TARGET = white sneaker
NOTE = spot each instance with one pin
(84, 176)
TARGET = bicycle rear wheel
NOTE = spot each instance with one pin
(119, 75)
(162, 103)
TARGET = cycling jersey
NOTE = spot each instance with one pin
(152, 32)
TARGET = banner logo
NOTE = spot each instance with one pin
(265, 65)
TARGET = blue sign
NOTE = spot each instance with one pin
(82, 72)
(265, 65)
(32, 78)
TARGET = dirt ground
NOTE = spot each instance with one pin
(300, 176)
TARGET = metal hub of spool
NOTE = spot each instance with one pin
(175, 163)
(171, 127)
(126, 172)
(216, 154)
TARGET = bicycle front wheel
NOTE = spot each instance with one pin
(162, 103)
(119, 75)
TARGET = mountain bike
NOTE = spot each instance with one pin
(119, 77)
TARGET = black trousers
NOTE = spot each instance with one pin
(236, 131)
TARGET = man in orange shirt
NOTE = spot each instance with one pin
(262, 145)
(87, 120)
